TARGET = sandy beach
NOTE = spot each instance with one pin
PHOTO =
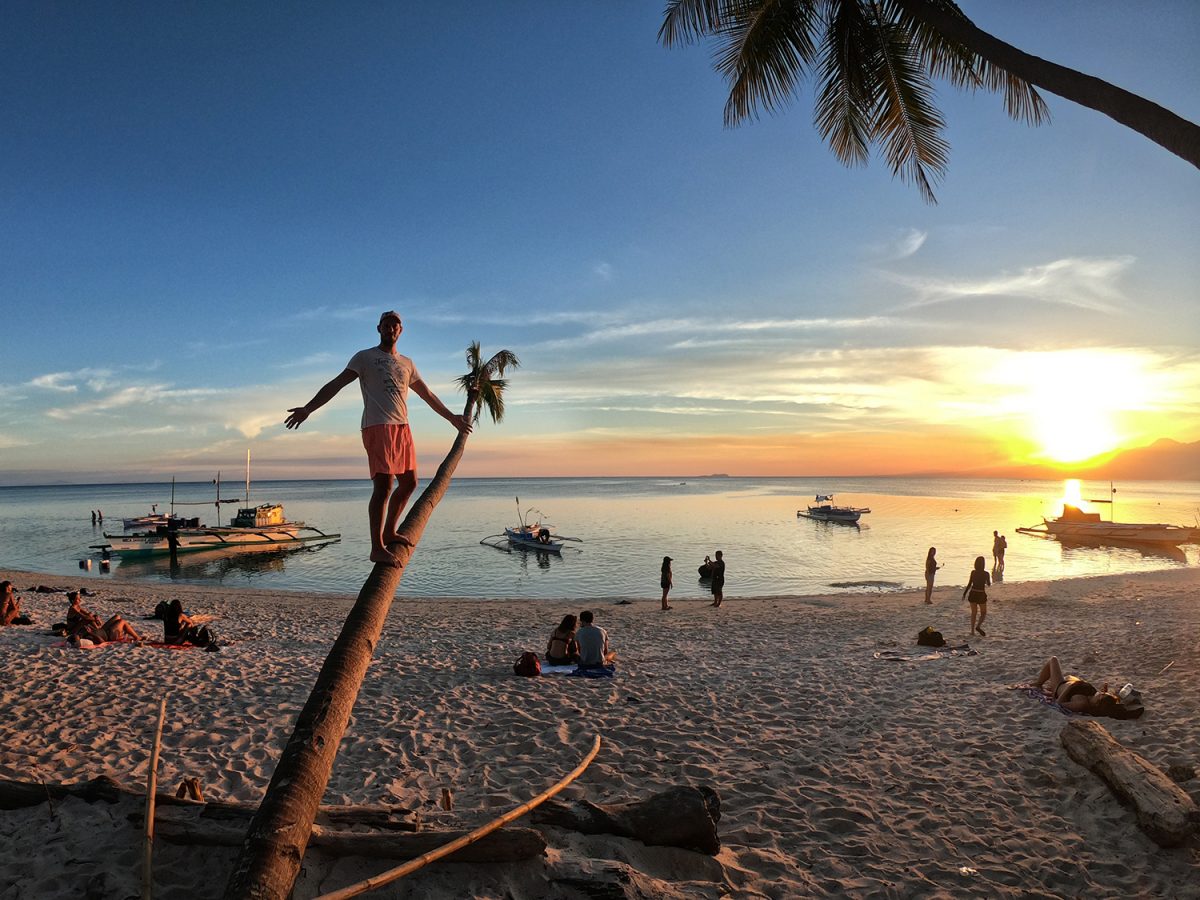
(839, 773)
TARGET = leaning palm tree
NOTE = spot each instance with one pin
(279, 832)
(875, 62)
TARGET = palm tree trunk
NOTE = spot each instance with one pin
(278, 834)
(1160, 125)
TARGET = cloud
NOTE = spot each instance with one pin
(1078, 282)
(603, 271)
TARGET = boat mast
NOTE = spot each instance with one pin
(520, 518)
(247, 476)
(172, 496)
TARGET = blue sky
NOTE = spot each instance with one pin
(206, 206)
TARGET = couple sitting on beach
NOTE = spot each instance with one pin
(84, 625)
(1078, 696)
(586, 647)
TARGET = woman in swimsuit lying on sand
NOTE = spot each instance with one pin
(1079, 696)
(83, 623)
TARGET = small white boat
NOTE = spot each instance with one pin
(153, 520)
(825, 511)
(536, 535)
(1075, 524)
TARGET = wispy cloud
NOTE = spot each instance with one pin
(68, 382)
(1078, 282)
(337, 313)
(603, 271)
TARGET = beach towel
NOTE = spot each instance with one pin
(939, 653)
(85, 644)
(609, 671)
(548, 669)
(1042, 697)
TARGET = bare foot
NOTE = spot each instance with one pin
(930, 602)
(382, 556)
(668, 607)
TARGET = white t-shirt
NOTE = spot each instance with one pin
(593, 644)
(384, 379)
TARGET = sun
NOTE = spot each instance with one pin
(1072, 401)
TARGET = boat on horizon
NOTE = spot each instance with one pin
(825, 511)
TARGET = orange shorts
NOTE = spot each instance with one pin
(390, 449)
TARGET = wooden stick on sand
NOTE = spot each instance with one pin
(391, 875)
(151, 786)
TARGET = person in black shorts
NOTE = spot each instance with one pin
(718, 579)
(976, 594)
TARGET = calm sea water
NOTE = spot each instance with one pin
(626, 525)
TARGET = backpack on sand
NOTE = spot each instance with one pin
(528, 664)
(927, 637)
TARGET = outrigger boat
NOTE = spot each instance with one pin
(825, 511)
(254, 526)
(535, 535)
(1077, 524)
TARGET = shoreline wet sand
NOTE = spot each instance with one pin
(840, 774)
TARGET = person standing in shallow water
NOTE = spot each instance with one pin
(384, 377)
(665, 581)
(718, 579)
(975, 592)
(931, 567)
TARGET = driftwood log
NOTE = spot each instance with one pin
(679, 817)
(1164, 810)
(185, 826)
(21, 794)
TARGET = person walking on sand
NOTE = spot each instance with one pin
(384, 376)
(931, 567)
(975, 592)
(718, 579)
(666, 581)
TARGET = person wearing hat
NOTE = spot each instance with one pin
(666, 581)
(384, 377)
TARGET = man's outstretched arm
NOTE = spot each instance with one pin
(421, 389)
(297, 415)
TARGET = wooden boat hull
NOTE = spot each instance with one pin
(191, 540)
(843, 514)
(529, 540)
(1132, 532)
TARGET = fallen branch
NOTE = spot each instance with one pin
(151, 785)
(22, 794)
(184, 826)
(391, 875)
(1164, 810)
(679, 817)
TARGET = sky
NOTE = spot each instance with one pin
(204, 208)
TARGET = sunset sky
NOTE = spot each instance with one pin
(205, 207)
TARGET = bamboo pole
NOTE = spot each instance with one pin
(151, 787)
(411, 866)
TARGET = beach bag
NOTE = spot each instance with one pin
(927, 637)
(528, 664)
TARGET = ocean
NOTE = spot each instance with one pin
(626, 527)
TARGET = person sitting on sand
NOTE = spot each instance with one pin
(593, 643)
(562, 649)
(177, 626)
(1079, 696)
(10, 604)
(976, 594)
(84, 624)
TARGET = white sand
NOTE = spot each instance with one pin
(839, 774)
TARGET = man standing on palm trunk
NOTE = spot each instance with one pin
(384, 377)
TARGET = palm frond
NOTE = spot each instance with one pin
(842, 110)
(686, 21)
(480, 380)
(766, 48)
(905, 120)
